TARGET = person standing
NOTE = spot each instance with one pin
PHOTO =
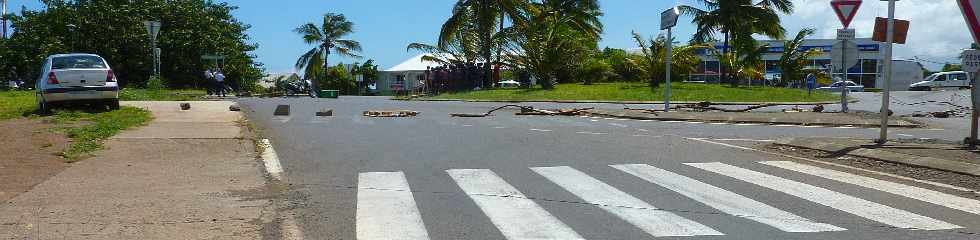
(208, 81)
(219, 78)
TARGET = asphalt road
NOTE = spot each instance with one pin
(533, 177)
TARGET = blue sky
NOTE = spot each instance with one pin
(385, 27)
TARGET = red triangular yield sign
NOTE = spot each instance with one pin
(846, 10)
(970, 10)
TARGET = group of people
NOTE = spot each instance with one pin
(459, 77)
(215, 82)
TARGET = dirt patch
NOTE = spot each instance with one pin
(30, 156)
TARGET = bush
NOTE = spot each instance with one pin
(156, 83)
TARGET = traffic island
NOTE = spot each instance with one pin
(774, 118)
(928, 154)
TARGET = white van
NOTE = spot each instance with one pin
(957, 79)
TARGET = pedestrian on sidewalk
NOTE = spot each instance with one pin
(219, 78)
(208, 81)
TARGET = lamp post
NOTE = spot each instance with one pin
(668, 19)
(3, 19)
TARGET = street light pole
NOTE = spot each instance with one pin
(886, 96)
(3, 14)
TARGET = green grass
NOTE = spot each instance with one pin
(86, 128)
(89, 129)
(641, 92)
(14, 104)
(136, 94)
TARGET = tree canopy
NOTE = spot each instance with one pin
(114, 30)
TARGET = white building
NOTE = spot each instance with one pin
(404, 77)
(867, 72)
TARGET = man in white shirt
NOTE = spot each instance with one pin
(220, 79)
(208, 79)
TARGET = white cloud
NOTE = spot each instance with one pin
(937, 31)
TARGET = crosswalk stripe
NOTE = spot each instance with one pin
(922, 194)
(386, 208)
(645, 216)
(860, 207)
(726, 201)
(515, 215)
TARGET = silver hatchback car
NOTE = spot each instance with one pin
(76, 78)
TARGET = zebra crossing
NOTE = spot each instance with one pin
(386, 207)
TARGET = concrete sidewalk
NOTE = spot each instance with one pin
(187, 175)
(946, 157)
(801, 118)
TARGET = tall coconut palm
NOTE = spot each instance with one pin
(650, 61)
(326, 38)
(737, 20)
(481, 17)
(795, 58)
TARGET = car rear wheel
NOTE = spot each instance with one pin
(42, 106)
(113, 104)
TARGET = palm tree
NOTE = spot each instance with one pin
(795, 58)
(558, 34)
(481, 17)
(737, 20)
(327, 38)
(684, 59)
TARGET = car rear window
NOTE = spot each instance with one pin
(84, 62)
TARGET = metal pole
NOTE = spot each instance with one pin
(3, 12)
(886, 96)
(844, 69)
(668, 56)
(976, 112)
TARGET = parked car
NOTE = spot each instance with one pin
(835, 87)
(76, 78)
(956, 79)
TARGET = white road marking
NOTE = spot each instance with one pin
(466, 125)
(906, 135)
(386, 208)
(499, 127)
(846, 127)
(784, 125)
(656, 222)
(740, 140)
(594, 120)
(516, 216)
(540, 130)
(860, 207)
(271, 160)
(646, 120)
(718, 123)
(748, 124)
(591, 133)
(813, 126)
(921, 194)
(695, 122)
(596, 117)
(726, 201)
(622, 119)
(962, 189)
(673, 121)
(642, 130)
(619, 125)
(609, 118)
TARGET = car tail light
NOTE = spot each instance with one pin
(52, 79)
(110, 77)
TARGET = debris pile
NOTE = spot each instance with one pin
(527, 110)
(392, 113)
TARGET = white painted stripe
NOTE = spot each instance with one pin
(386, 208)
(726, 201)
(540, 130)
(743, 140)
(271, 159)
(747, 124)
(922, 194)
(499, 127)
(594, 120)
(813, 126)
(647, 120)
(943, 185)
(591, 133)
(514, 214)
(635, 211)
(609, 118)
(784, 125)
(618, 125)
(673, 121)
(642, 130)
(467, 125)
(860, 207)
(718, 123)
(695, 122)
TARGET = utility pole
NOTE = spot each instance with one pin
(3, 22)
(886, 93)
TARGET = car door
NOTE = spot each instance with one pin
(940, 81)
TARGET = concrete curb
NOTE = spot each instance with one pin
(734, 120)
(887, 156)
(621, 102)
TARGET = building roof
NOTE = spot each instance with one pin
(413, 64)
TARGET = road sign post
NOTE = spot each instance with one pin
(153, 28)
(845, 10)
(668, 19)
(970, 9)
(886, 92)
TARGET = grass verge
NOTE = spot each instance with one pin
(89, 129)
(15, 104)
(641, 92)
(136, 94)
